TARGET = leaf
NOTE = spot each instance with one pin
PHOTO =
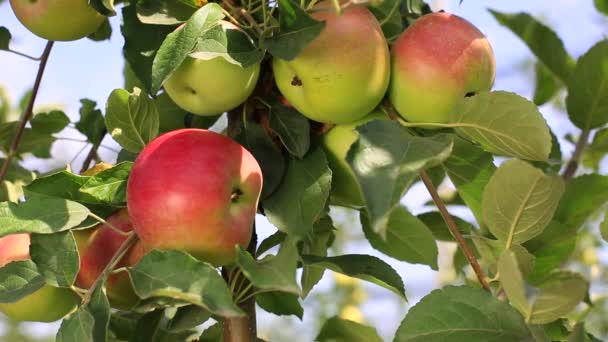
(5, 38)
(551, 249)
(103, 32)
(578, 333)
(188, 317)
(491, 251)
(296, 30)
(301, 198)
(52, 122)
(547, 85)
(91, 122)
(597, 150)
(407, 238)
(385, 161)
(19, 279)
(131, 119)
(56, 257)
(559, 295)
(601, 6)
(604, 227)
(78, 327)
(519, 201)
(365, 267)
(512, 281)
(273, 272)
(105, 7)
(253, 137)
(584, 195)
(179, 44)
(231, 44)
(541, 40)
(280, 303)
(503, 123)
(338, 329)
(99, 308)
(470, 168)
(162, 12)
(317, 244)
(35, 142)
(178, 275)
(388, 14)
(40, 215)
(292, 128)
(109, 186)
(462, 314)
(435, 223)
(587, 100)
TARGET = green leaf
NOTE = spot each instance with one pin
(470, 168)
(131, 118)
(584, 195)
(40, 215)
(280, 303)
(5, 38)
(547, 85)
(491, 251)
(35, 142)
(587, 100)
(578, 333)
(178, 275)
(512, 281)
(435, 223)
(559, 294)
(91, 122)
(541, 40)
(296, 30)
(213, 333)
(56, 257)
(519, 201)
(462, 314)
(365, 267)
(385, 160)
(503, 123)
(229, 43)
(273, 272)
(179, 44)
(109, 186)
(388, 13)
(338, 329)
(161, 12)
(597, 150)
(292, 128)
(19, 279)
(188, 317)
(604, 227)
(78, 327)
(253, 137)
(317, 244)
(551, 249)
(105, 7)
(407, 238)
(52, 122)
(301, 198)
(601, 6)
(103, 32)
(99, 308)
(171, 116)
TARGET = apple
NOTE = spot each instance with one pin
(437, 61)
(345, 190)
(343, 74)
(46, 304)
(212, 86)
(96, 247)
(197, 191)
(61, 20)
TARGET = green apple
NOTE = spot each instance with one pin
(437, 61)
(345, 190)
(46, 304)
(343, 74)
(197, 191)
(61, 20)
(212, 86)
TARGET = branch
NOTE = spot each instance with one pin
(576, 156)
(120, 253)
(29, 111)
(454, 230)
(92, 153)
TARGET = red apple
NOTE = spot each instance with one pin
(197, 191)
(96, 247)
(437, 61)
(46, 304)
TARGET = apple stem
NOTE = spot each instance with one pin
(449, 221)
(92, 153)
(29, 112)
(120, 253)
(576, 155)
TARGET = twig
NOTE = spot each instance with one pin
(120, 253)
(454, 230)
(29, 110)
(243, 13)
(576, 156)
(92, 153)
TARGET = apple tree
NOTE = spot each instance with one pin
(314, 105)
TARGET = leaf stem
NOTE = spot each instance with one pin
(243, 13)
(29, 111)
(120, 253)
(449, 221)
(24, 55)
(576, 155)
(109, 225)
(92, 153)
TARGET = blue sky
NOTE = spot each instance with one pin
(93, 69)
